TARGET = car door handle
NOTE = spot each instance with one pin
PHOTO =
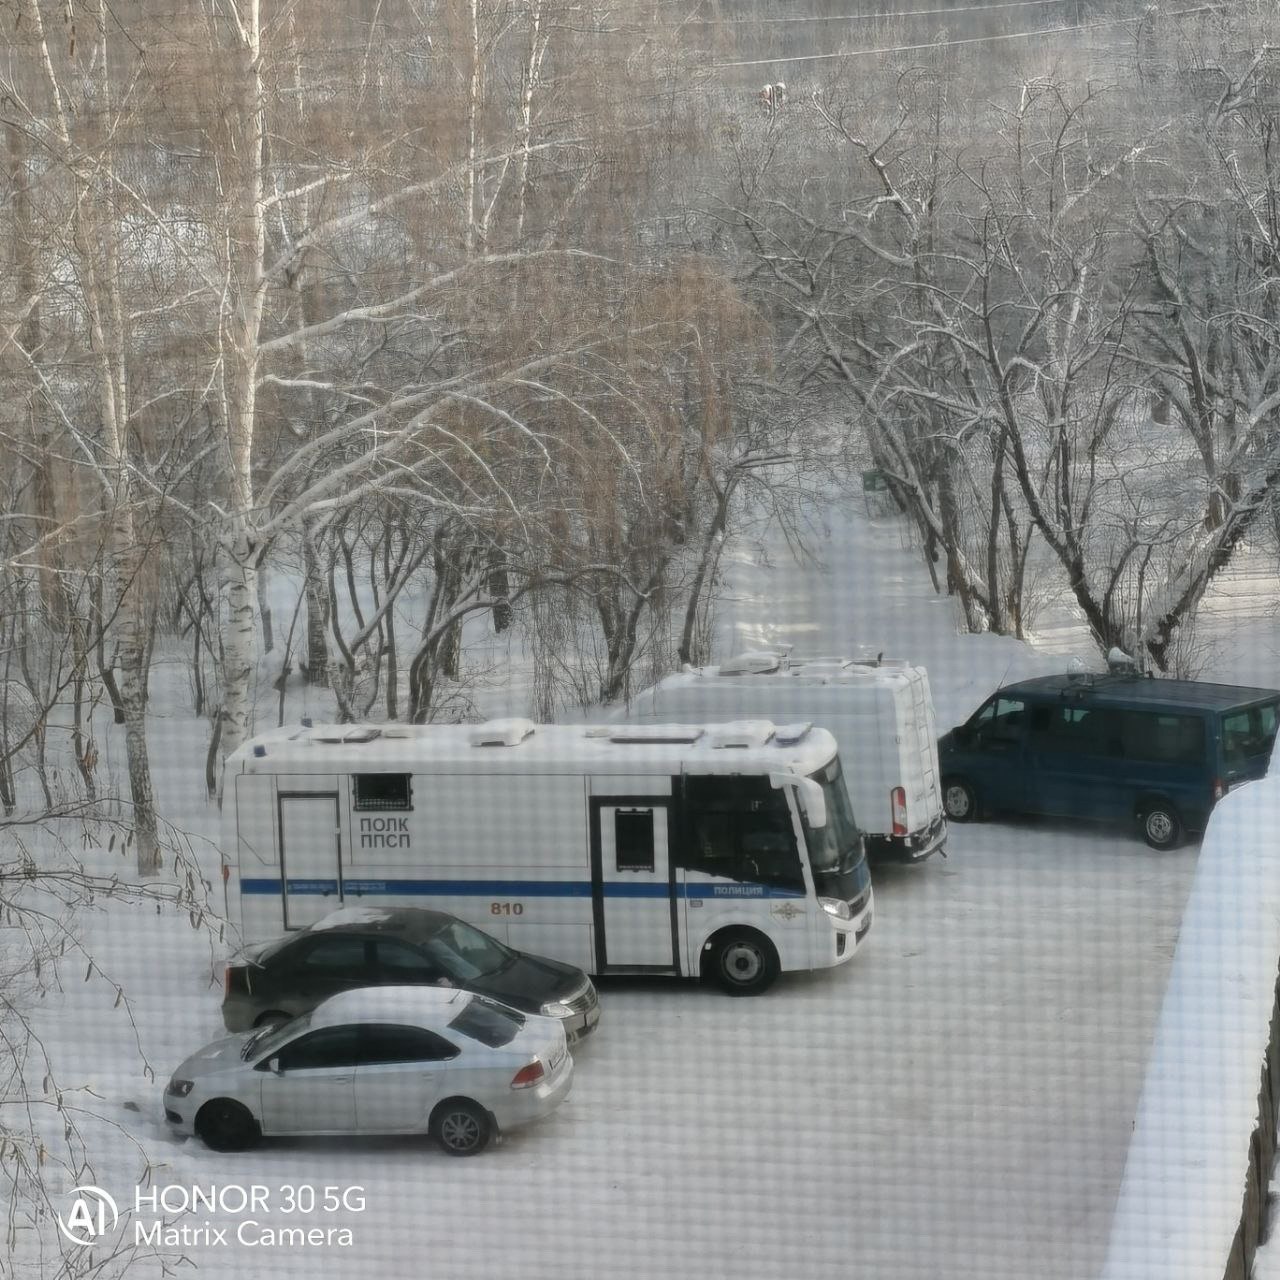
(341, 1079)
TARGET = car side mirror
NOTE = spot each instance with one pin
(274, 1067)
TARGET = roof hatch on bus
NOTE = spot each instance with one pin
(339, 733)
(678, 734)
(757, 662)
(501, 733)
(742, 734)
(787, 735)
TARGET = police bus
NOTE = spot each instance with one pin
(726, 851)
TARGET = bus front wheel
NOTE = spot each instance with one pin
(742, 962)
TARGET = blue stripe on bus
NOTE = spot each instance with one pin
(513, 889)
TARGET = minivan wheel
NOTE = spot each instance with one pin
(461, 1127)
(1160, 826)
(959, 800)
(743, 962)
(226, 1125)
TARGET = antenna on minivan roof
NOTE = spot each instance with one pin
(1120, 663)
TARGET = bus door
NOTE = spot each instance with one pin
(310, 856)
(633, 890)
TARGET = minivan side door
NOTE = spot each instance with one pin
(1073, 762)
(1165, 753)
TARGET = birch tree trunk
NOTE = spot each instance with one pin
(95, 238)
(242, 322)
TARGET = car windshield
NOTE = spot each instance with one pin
(465, 953)
(265, 1042)
(837, 845)
(490, 1023)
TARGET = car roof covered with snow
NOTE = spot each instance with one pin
(421, 1006)
(506, 746)
(409, 922)
(1127, 690)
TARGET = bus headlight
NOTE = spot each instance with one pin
(836, 907)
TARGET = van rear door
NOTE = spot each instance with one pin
(1248, 736)
(917, 737)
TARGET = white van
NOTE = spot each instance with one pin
(726, 852)
(879, 710)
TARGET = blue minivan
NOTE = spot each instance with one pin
(1113, 748)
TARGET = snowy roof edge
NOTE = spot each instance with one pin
(1184, 1180)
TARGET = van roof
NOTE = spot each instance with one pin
(811, 672)
(1128, 690)
(518, 746)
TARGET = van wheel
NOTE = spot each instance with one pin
(1161, 827)
(461, 1127)
(959, 800)
(226, 1125)
(743, 962)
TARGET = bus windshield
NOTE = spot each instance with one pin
(835, 850)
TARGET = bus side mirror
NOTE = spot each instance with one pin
(813, 802)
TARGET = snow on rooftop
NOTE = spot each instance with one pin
(345, 916)
(409, 1004)
(1184, 1179)
(502, 733)
(565, 748)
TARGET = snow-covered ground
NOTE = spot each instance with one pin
(956, 1102)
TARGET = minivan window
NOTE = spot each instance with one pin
(1249, 733)
(1162, 737)
(999, 721)
(1077, 730)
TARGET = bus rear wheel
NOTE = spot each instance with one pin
(742, 962)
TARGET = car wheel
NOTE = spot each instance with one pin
(1161, 827)
(959, 800)
(272, 1018)
(461, 1127)
(743, 962)
(225, 1125)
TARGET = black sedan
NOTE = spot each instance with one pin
(374, 946)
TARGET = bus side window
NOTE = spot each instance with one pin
(633, 839)
(740, 828)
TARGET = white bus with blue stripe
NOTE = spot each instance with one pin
(726, 851)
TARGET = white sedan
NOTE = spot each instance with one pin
(450, 1063)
